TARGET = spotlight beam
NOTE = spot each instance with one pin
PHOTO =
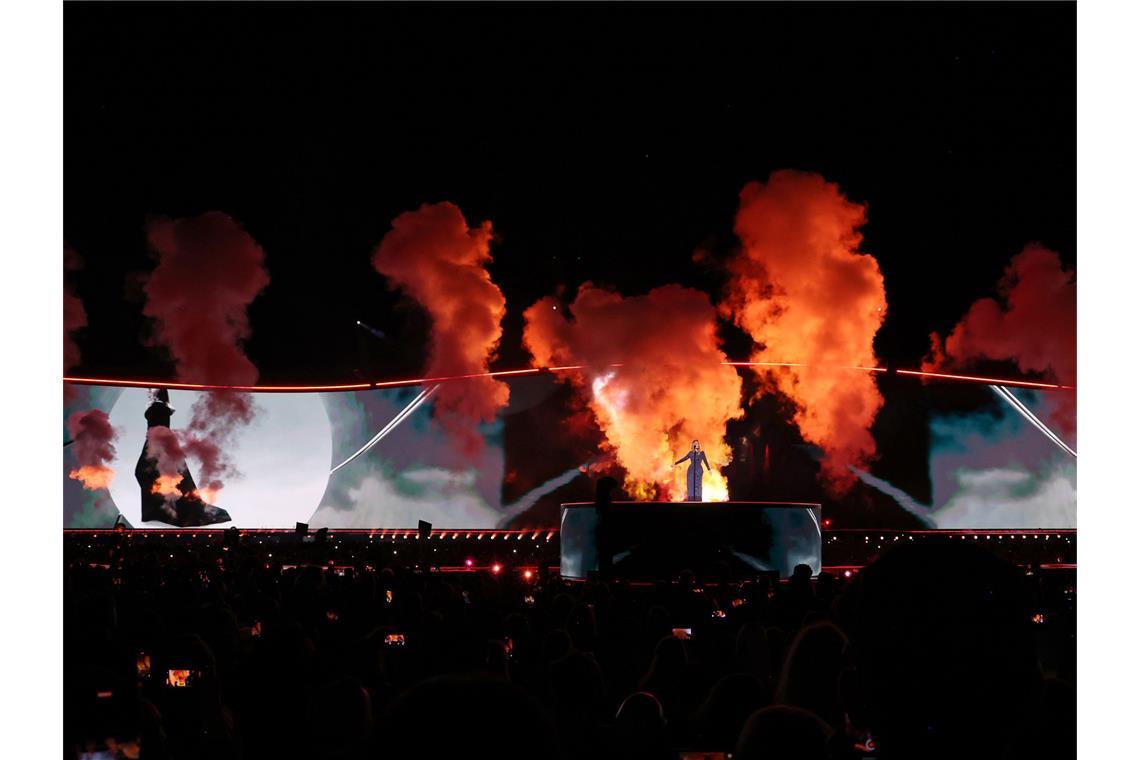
(377, 333)
(415, 403)
(1032, 418)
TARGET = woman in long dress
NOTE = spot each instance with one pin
(698, 463)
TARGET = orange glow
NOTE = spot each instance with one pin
(809, 297)
(167, 485)
(207, 495)
(93, 476)
(655, 379)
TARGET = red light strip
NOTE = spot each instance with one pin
(520, 372)
(919, 373)
(987, 380)
(207, 387)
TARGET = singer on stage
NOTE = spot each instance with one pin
(698, 462)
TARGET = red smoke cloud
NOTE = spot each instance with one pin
(94, 447)
(806, 294)
(209, 271)
(672, 387)
(1032, 322)
(433, 256)
(163, 446)
(74, 315)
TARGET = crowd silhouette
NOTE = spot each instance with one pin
(232, 652)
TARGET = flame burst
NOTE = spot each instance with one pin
(803, 290)
(94, 448)
(670, 389)
(93, 476)
(208, 495)
(167, 485)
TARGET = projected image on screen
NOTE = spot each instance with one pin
(950, 456)
(367, 459)
(988, 463)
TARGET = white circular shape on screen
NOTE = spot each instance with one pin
(283, 456)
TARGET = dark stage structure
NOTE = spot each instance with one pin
(650, 541)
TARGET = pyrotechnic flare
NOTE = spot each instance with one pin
(807, 295)
(671, 388)
(1033, 322)
(94, 448)
(209, 271)
(433, 256)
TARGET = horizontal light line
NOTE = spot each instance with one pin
(917, 373)
(208, 387)
(704, 503)
(987, 380)
(205, 531)
(528, 371)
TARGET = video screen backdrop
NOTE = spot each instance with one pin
(949, 455)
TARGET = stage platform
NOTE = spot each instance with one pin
(844, 550)
(659, 540)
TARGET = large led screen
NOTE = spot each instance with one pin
(948, 455)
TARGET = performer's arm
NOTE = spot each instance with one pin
(705, 459)
(682, 459)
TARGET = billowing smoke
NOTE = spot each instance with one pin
(1032, 322)
(671, 388)
(94, 447)
(163, 446)
(209, 271)
(434, 257)
(74, 315)
(74, 318)
(807, 295)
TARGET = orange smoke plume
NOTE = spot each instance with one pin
(1033, 322)
(670, 389)
(433, 256)
(94, 446)
(806, 294)
(93, 477)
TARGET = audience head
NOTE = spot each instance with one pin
(782, 732)
(467, 716)
(945, 651)
(812, 668)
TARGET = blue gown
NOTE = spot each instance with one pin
(695, 475)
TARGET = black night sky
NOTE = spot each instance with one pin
(604, 142)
